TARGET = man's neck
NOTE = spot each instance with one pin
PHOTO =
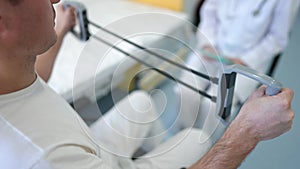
(16, 74)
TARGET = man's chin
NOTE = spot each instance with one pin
(54, 39)
(49, 44)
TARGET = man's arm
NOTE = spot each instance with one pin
(229, 152)
(261, 118)
(66, 20)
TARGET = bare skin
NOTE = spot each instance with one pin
(66, 20)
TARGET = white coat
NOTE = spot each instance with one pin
(254, 31)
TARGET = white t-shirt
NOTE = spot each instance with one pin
(48, 132)
(49, 123)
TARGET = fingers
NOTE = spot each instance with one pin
(71, 9)
(60, 7)
(73, 16)
(65, 20)
(284, 99)
(286, 93)
(259, 92)
(267, 116)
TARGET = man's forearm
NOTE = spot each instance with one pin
(229, 152)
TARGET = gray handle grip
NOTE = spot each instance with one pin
(273, 86)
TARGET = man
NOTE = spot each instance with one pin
(47, 121)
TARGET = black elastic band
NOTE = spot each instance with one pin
(212, 98)
(212, 79)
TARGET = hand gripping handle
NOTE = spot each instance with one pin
(83, 34)
(227, 84)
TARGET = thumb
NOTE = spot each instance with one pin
(259, 92)
(60, 6)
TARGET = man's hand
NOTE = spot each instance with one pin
(266, 117)
(261, 118)
(66, 20)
